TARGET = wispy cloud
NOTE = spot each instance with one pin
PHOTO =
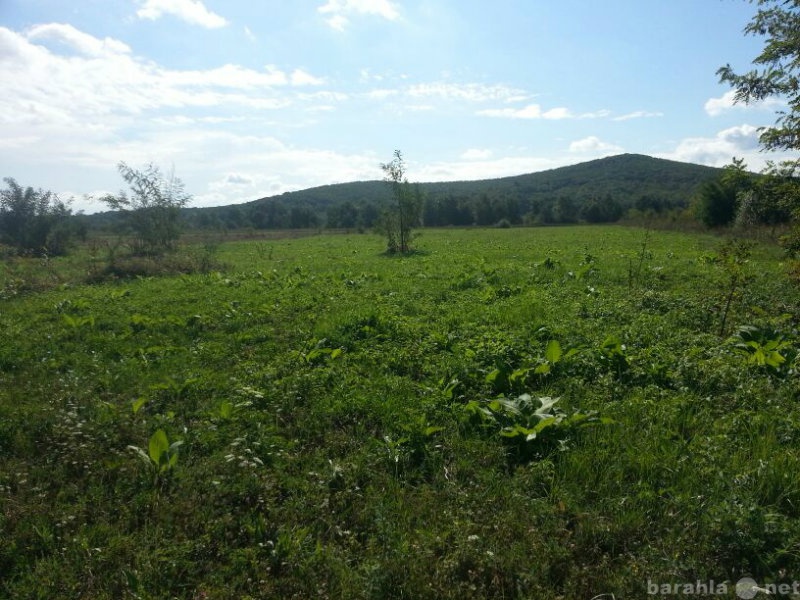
(193, 12)
(340, 11)
(82, 43)
(639, 114)
(476, 154)
(535, 111)
(238, 179)
(299, 77)
(593, 145)
(470, 92)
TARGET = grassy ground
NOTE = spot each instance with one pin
(320, 420)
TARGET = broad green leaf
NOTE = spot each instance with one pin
(545, 423)
(613, 344)
(553, 352)
(547, 403)
(158, 446)
(519, 374)
(774, 359)
(492, 377)
(226, 409)
(542, 369)
(138, 404)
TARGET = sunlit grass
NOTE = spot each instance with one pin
(327, 399)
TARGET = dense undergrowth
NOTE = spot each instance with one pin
(539, 413)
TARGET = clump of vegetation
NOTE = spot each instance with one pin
(34, 222)
(152, 209)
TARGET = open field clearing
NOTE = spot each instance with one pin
(511, 413)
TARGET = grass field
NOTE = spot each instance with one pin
(509, 413)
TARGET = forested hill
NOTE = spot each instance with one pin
(600, 190)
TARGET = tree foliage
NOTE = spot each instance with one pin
(405, 212)
(33, 221)
(152, 208)
(717, 202)
(776, 75)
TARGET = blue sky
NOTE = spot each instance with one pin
(252, 98)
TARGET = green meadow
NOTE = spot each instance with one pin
(549, 413)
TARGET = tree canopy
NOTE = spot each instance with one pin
(776, 75)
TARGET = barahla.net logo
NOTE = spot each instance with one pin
(746, 588)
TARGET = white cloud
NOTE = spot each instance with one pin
(340, 11)
(717, 106)
(476, 154)
(557, 113)
(639, 114)
(89, 102)
(469, 170)
(274, 168)
(300, 77)
(238, 179)
(717, 151)
(471, 92)
(338, 22)
(593, 145)
(534, 111)
(231, 76)
(82, 43)
(381, 94)
(67, 91)
(193, 12)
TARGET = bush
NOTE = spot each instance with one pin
(33, 221)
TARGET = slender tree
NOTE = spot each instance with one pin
(400, 219)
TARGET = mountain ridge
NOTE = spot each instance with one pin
(625, 159)
(599, 190)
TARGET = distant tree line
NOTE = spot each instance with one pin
(441, 210)
(154, 212)
(599, 191)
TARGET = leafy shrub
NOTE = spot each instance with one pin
(530, 428)
(33, 221)
(764, 347)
